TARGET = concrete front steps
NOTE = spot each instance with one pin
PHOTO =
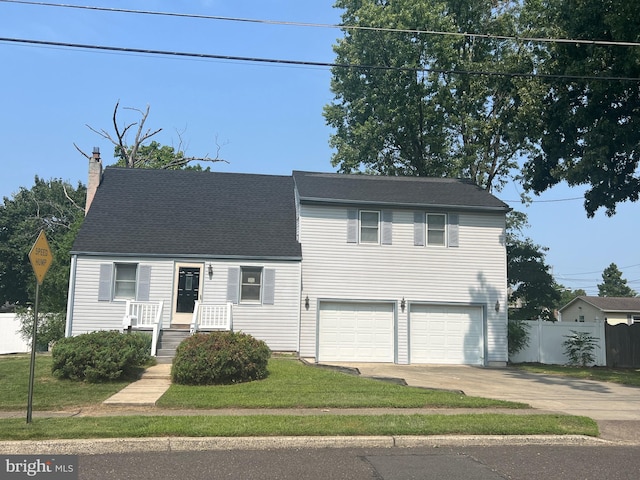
(168, 341)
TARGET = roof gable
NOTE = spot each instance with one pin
(420, 192)
(190, 213)
(609, 304)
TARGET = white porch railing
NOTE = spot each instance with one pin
(211, 317)
(144, 316)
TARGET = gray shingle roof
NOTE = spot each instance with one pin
(613, 304)
(401, 191)
(189, 213)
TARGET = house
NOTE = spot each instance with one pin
(332, 267)
(613, 310)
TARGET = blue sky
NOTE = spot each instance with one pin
(267, 118)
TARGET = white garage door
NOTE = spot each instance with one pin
(355, 332)
(446, 335)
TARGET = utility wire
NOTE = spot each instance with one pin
(304, 62)
(335, 26)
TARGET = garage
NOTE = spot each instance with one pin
(356, 332)
(445, 334)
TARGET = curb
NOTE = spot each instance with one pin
(184, 444)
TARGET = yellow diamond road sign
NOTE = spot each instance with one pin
(40, 257)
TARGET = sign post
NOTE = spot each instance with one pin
(40, 257)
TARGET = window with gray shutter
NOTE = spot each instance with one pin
(144, 282)
(387, 227)
(104, 285)
(352, 225)
(454, 237)
(233, 284)
(436, 229)
(418, 229)
(269, 289)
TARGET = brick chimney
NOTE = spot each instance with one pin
(95, 177)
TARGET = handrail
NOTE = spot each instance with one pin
(144, 316)
(155, 335)
(211, 317)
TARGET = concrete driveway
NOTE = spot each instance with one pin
(597, 400)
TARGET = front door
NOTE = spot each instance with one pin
(187, 282)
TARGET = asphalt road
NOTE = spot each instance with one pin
(535, 462)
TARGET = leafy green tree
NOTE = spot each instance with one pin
(50, 205)
(613, 285)
(566, 295)
(592, 125)
(533, 289)
(414, 103)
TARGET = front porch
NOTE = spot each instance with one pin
(147, 316)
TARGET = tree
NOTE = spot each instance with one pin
(613, 285)
(56, 207)
(414, 104)
(532, 286)
(592, 134)
(153, 155)
(566, 295)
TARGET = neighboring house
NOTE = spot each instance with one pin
(333, 267)
(613, 310)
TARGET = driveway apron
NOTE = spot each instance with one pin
(597, 400)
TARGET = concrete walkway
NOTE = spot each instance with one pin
(145, 392)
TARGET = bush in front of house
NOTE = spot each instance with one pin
(220, 358)
(101, 356)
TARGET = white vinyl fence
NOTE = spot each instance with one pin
(545, 342)
(10, 339)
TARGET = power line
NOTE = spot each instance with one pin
(335, 26)
(304, 62)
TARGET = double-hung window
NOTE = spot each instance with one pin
(369, 226)
(436, 229)
(251, 284)
(125, 281)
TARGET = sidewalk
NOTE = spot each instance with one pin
(155, 381)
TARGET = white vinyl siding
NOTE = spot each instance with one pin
(473, 273)
(275, 323)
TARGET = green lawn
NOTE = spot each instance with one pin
(625, 376)
(292, 384)
(49, 393)
(286, 425)
(289, 384)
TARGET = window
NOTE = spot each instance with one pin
(436, 229)
(369, 227)
(125, 280)
(251, 284)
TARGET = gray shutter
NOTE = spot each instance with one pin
(352, 225)
(387, 227)
(144, 282)
(104, 286)
(233, 284)
(454, 238)
(269, 286)
(418, 228)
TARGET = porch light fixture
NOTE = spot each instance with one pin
(210, 271)
(402, 304)
(306, 303)
(497, 306)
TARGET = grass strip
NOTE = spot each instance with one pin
(285, 425)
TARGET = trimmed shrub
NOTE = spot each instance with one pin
(220, 358)
(101, 356)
